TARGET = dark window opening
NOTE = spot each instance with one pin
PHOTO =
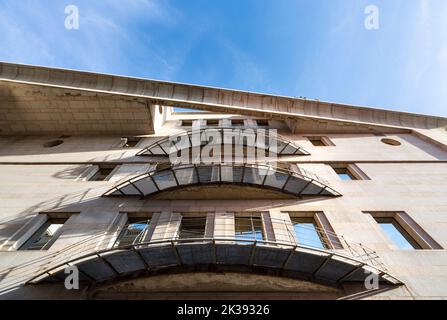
(45, 235)
(186, 123)
(318, 141)
(237, 123)
(133, 232)
(262, 123)
(130, 142)
(192, 228)
(102, 173)
(212, 122)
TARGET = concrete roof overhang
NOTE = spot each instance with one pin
(300, 114)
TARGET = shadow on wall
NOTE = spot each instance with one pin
(46, 145)
(426, 146)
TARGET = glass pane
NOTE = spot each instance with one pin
(165, 179)
(276, 179)
(290, 149)
(400, 239)
(253, 175)
(132, 232)
(344, 174)
(192, 227)
(248, 228)
(307, 234)
(44, 235)
(295, 185)
(186, 176)
(146, 186)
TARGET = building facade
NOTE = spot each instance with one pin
(107, 181)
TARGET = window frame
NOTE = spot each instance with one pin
(325, 231)
(257, 216)
(112, 167)
(136, 218)
(326, 142)
(32, 227)
(351, 169)
(410, 227)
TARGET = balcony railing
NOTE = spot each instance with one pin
(259, 138)
(271, 177)
(103, 256)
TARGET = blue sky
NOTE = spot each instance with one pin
(311, 48)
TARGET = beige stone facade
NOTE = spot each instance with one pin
(89, 115)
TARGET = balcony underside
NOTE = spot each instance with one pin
(255, 176)
(214, 255)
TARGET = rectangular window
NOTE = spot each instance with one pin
(192, 228)
(262, 123)
(397, 234)
(212, 122)
(249, 228)
(45, 236)
(237, 123)
(349, 171)
(130, 142)
(133, 231)
(186, 123)
(345, 174)
(103, 173)
(307, 232)
(320, 141)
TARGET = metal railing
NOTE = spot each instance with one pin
(260, 175)
(148, 234)
(166, 145)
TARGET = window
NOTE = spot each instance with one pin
(212, 123)
(45, 236)
(192, 228)
(345, 174)
(307, 232)
(403, 231)
(237, 123)
(102, 174)
(262, 123)
(186, 123)
(320, 141)
(249, 228)
(133, 232)
(397, 234)
(349, 171)
(130, 142)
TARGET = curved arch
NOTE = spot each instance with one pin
(166, 146)
(256, 175)
(286, 260)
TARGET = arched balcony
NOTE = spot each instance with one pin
(258, 138)
(259, 176)
(141, 249)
